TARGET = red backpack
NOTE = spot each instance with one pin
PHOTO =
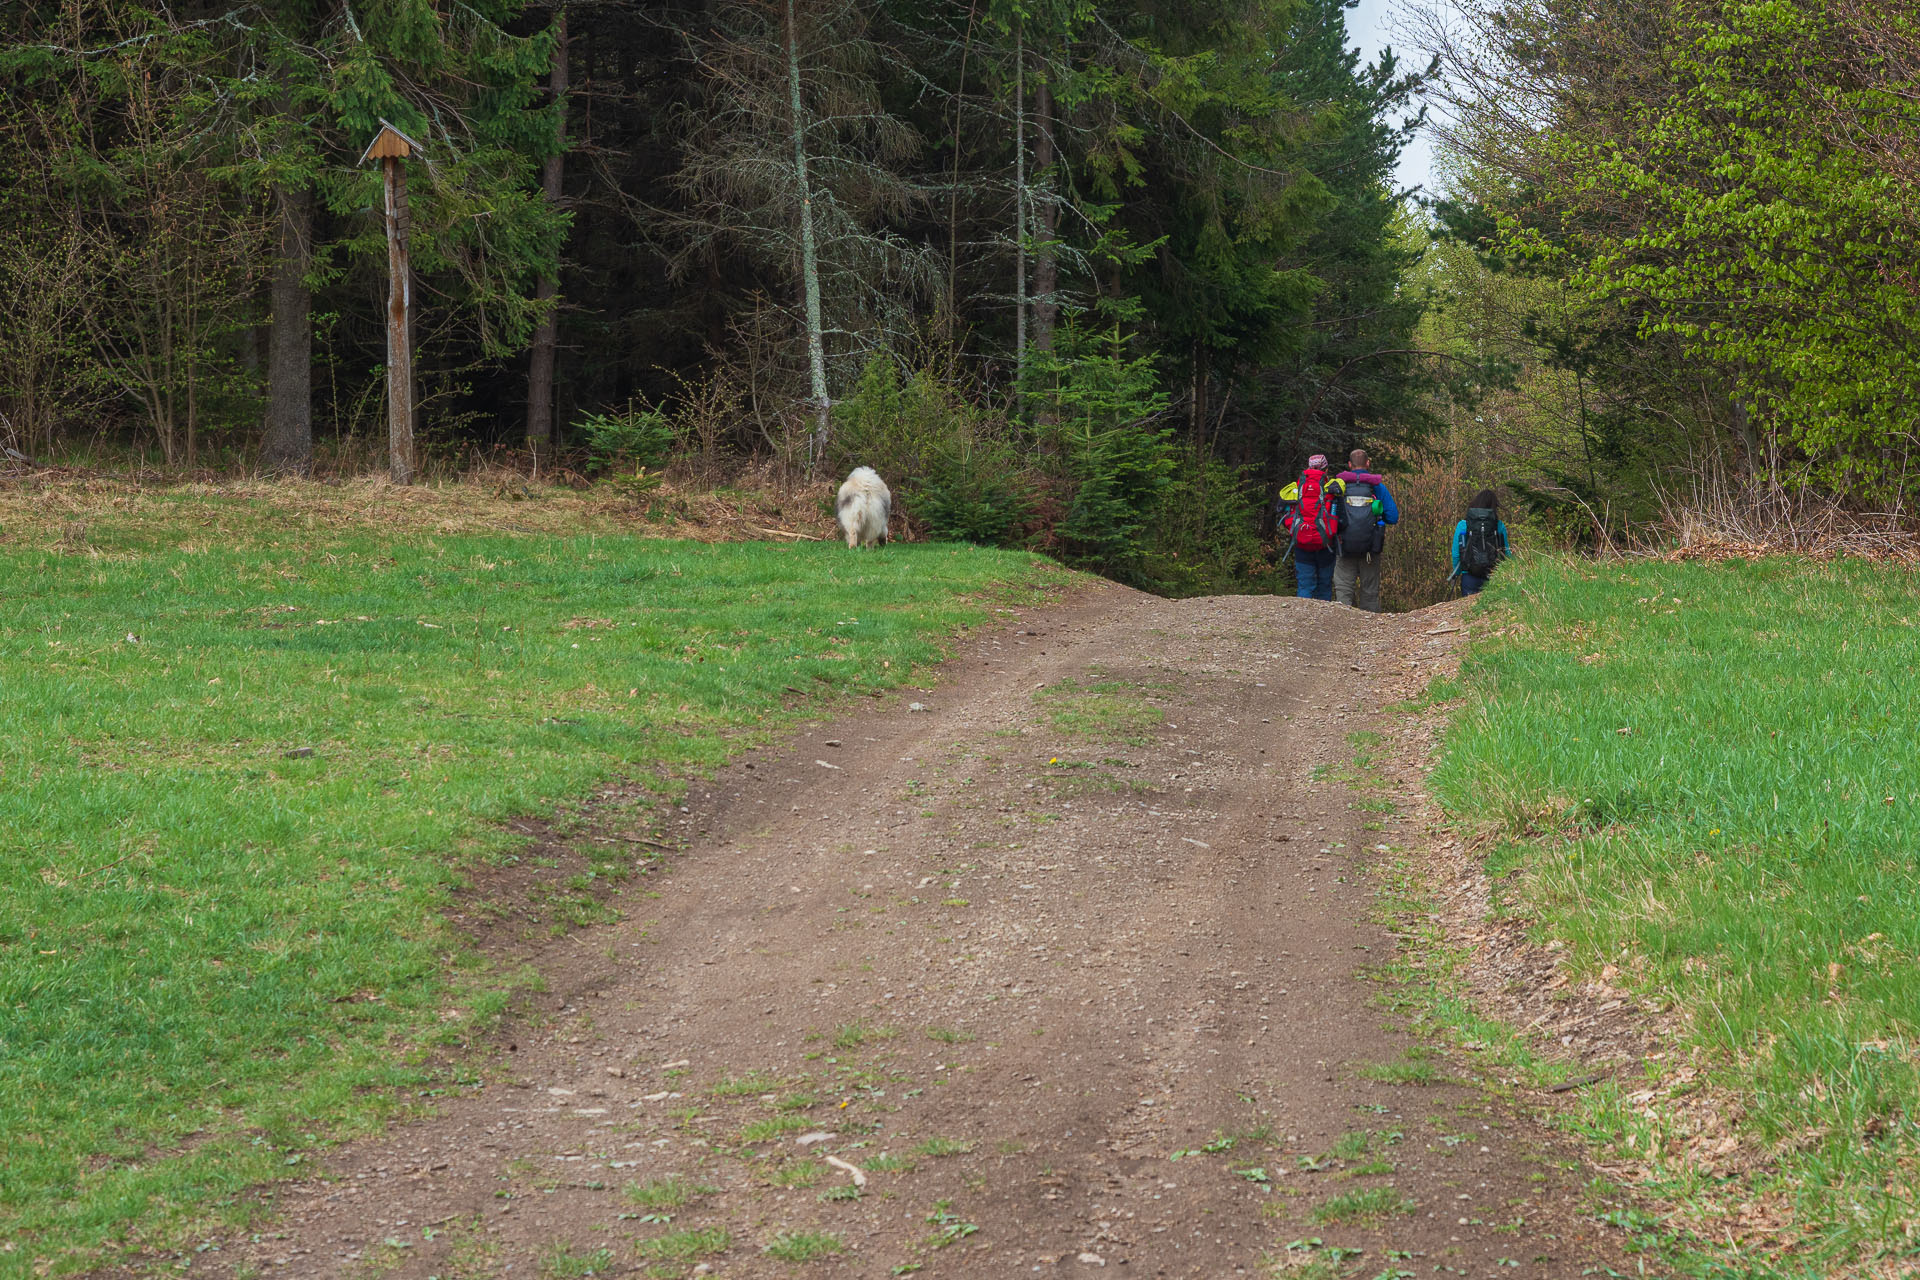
(1312, 520)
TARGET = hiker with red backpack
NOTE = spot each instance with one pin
(1366, 509)
(1479, 542)
(1309, 518)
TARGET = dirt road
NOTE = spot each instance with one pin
(1072, 963)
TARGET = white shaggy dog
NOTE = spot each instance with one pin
(864, 507)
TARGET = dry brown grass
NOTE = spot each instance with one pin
(50, 506)
(1716, 518)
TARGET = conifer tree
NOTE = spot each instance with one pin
(261, 114)
(790, 156)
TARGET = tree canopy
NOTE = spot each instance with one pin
(1723, 191)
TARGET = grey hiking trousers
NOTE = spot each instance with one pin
(1356, 581)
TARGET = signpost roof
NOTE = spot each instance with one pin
(390, 142)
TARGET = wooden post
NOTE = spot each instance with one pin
(390, 147)
(399, 349)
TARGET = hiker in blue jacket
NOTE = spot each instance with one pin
(1366, 509)
(1479, 542)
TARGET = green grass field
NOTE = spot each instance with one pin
(217, 950)
(1709, 778)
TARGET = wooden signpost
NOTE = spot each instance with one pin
(390, 147)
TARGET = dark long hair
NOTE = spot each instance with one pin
(1486, 499)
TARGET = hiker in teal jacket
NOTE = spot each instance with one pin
(1479, 542)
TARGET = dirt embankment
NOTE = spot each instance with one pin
(1067, 965)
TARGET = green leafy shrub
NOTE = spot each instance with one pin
(637, 438)
(873, 427)
(978, 494)
(954, 467)
(1204, 538)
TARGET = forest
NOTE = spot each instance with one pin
(1047, 264)
(1687, 229)
(1092, 276)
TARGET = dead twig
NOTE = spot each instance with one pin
(1717, 517)
(1566, 1086)
(654, 844)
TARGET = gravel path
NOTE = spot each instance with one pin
(1104, 899)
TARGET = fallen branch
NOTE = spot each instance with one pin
(655, 844)
(117, 861)
(1567, 1085)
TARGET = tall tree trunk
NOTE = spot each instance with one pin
(1019, 203)
(540, 361)
(287, 448)
(953, 184)
(1197, 423)
(1046, 269)
(809, 261)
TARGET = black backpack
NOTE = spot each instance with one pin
(1360, 530)
(1482, 550)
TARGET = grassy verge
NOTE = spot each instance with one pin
(242, 759)
(1706, 780)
